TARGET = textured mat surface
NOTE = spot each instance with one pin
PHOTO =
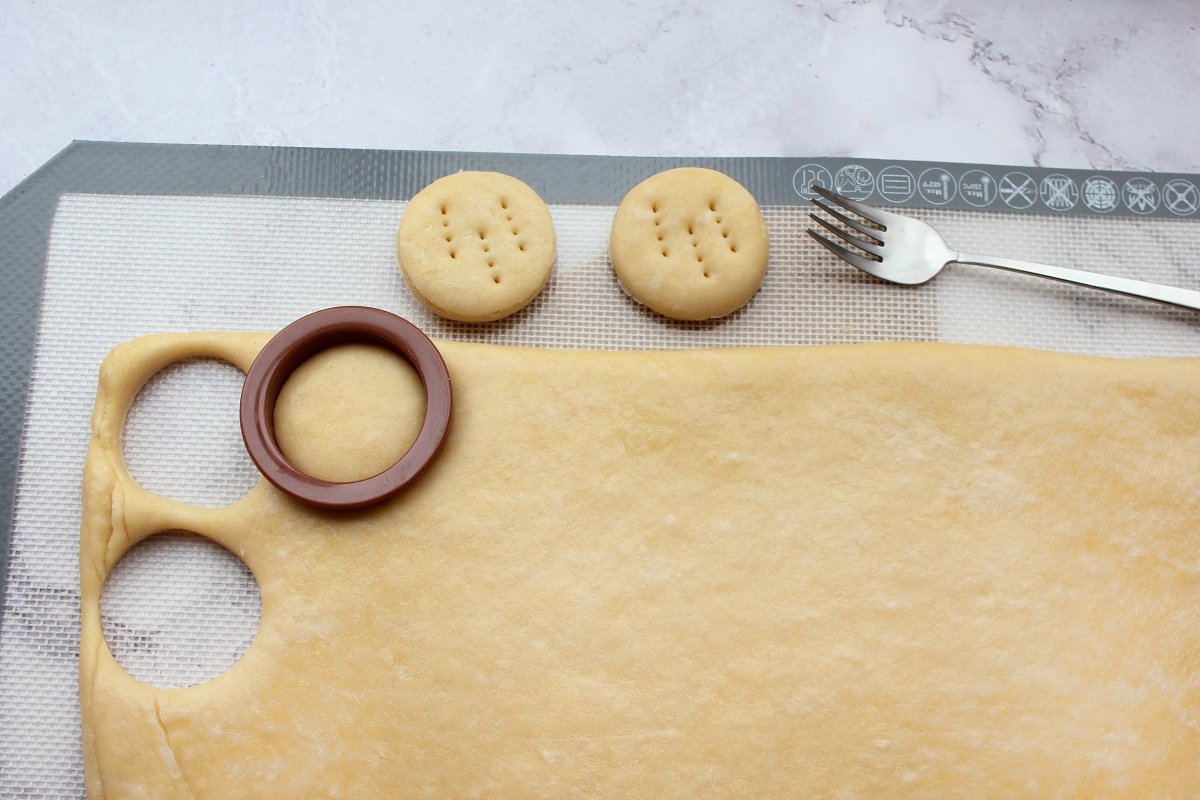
(119, 266)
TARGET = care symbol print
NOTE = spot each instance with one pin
(977, 187)
(1100, 194)
(937, 186)
(1181, 197)
(1059, 192)
(1018, 190)
(854, 181)
(809, 174)
(1141, 195)
(896, 184)
(988, 187)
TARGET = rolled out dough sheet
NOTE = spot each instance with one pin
(864, 571)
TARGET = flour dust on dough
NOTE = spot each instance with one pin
(906, 571)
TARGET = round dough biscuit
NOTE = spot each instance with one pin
(689, 243)
(476, 246)
(334, 424)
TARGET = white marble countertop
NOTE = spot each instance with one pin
(1106, 83)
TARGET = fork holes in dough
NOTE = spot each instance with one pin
(696, 205)
(179, 609)
(182, 435)
(490, 214)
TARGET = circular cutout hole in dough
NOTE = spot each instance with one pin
(476, 246)
(349, 412)
(179, 609)
(181, 437)
(689, 243)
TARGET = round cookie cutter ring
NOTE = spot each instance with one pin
(303, 339)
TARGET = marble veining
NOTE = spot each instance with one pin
(1106, 84)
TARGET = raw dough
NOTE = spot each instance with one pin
(904, 571)
(476, 246)
(689, 243)
(349, 412)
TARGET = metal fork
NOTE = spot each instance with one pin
(906, 250)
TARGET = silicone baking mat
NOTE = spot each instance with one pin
(198, 250)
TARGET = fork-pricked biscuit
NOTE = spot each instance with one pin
(476, 246)
(689, 243)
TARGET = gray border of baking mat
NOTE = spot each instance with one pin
(27, 212)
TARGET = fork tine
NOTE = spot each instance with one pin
(873, 233)
(870, 213)
(850, 257)
(871, 247)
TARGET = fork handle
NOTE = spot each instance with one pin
(1170, 295)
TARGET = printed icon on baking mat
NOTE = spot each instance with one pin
(854, 181)
(810, 174)
(896, 184)
(1181, 197)
(1059, 192)
(1100, 194)
(937, 186)
(1018, 190)
(977, 187)
(1140, 195)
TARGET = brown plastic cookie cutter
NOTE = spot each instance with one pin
(303, 339)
